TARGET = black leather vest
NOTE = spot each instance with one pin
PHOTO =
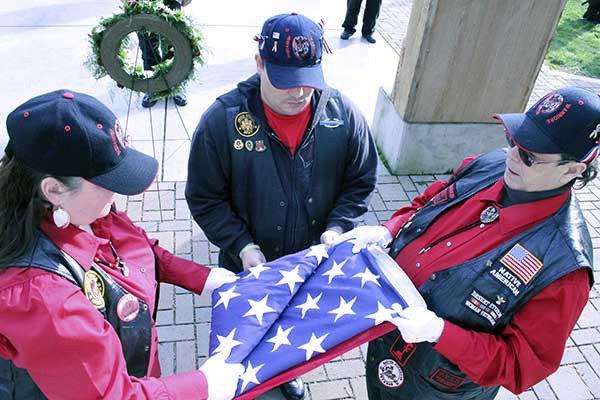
(481, 294)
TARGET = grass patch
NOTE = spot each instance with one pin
(575, 46)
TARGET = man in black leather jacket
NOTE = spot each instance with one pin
(282, 162)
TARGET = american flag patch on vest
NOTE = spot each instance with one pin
(520, 261)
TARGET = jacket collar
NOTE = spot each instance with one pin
(250, 89)
(513, 217)
(76, 242)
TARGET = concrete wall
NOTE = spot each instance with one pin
(418, 148)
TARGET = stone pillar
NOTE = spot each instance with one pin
(461, 62)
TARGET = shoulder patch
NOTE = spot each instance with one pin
(521, 262)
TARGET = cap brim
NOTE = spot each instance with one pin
(131, 176)
(287, 77)
(527, 134)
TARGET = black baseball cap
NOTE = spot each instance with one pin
(565, 121)
(65, 133)
(291, 46)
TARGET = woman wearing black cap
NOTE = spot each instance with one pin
(77, 279)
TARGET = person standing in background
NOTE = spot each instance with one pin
(371, 14)
(150, 48)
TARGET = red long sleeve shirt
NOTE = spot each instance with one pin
(50, 328)
(531, 346)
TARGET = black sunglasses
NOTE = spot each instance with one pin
(527, 157)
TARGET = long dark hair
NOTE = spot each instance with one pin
(22, 206)
(590, 173)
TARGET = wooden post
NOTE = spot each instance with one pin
(461, 62)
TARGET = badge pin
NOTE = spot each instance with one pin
(490, 214)
(249, 145)
(128, 308)
(238, 144)
(245, 125)
(595, 132)
(93, 287)
(331, 123)
(259, 145)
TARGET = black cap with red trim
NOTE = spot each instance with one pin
(65, 133)
(564, 121)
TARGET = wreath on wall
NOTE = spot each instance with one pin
(180, 48)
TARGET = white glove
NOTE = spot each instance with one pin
(217, 277)
(418, 324)
(365, 236)
(251, 256)
(222, 378)
(329, 237)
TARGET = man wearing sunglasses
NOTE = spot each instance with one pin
(502, 256)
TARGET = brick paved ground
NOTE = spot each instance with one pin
(183, 317)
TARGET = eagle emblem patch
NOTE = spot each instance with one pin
(245, 125)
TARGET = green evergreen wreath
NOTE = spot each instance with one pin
(110, 50)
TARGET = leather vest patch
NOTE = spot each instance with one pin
(445, 195)
(93, 287)
(402, 351)
(390, 374)
(484, 307)
(446, 379)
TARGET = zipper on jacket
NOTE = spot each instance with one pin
(293, 180)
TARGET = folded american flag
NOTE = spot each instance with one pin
(285, 317)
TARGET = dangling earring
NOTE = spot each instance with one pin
(61, 218)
